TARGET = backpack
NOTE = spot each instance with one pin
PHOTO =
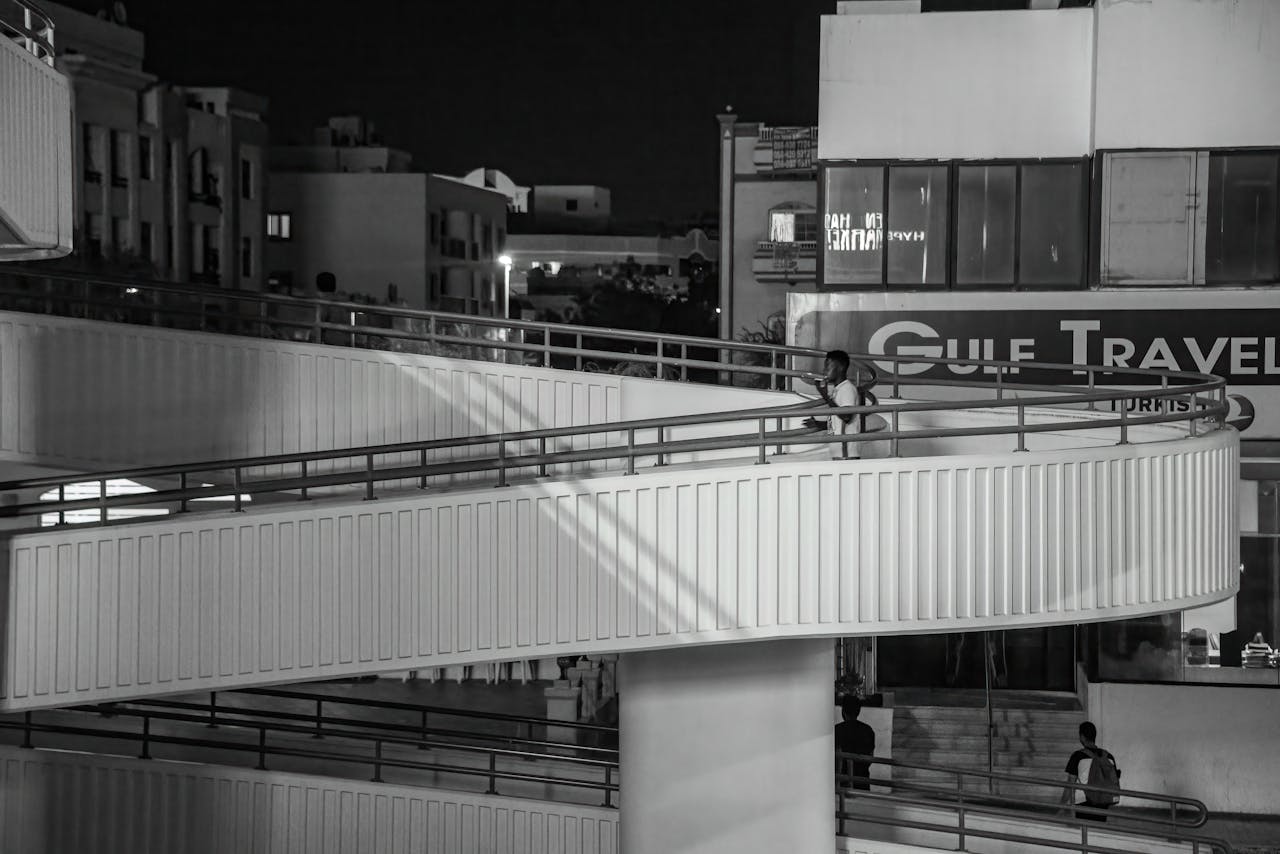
(1104, 775)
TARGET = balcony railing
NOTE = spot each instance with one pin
(34, 33)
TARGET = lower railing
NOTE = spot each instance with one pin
(968, 814)
(261, 733)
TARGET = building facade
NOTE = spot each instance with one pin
(353, 209)
(769, 221)
(169, 180)
(1095, 184)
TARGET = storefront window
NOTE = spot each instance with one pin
(985, 204)
(1241, 239)
(1051, 247)
(917, 225)
(852, 225)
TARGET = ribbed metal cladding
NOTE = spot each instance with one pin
(161, 396)
(35, 155)
(54, 802)
(614, 563)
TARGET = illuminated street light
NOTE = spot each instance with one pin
(505, 261)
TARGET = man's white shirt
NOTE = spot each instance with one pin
(844, 394)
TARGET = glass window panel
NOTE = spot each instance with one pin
(782, 226)
(1147, 227)
(984, 224)
(806, 227)
(1241, 243)
(1052, 208)
(852, 222)
(917, 228)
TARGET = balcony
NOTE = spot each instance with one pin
(206, 193)
(35, 139)
(785, 263)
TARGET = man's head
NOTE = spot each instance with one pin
(1088, 733)
(850, 706)
(836, 367)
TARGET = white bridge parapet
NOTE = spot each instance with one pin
(1062, 533)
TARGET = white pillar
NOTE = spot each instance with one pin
(728, 749)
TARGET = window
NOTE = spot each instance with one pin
(916, 228)
(852, 222)
(792, 224)
(145, 241)
(93, 235)
(119, 158)
(1148, 228)
(1242, 243)
(119, 234)
(246, 178)
(985, 213)
(280, 226)
(571, 204)
(92, 166)
(1017, 225)
(246, 256)
(1053, 212)
(146, 164)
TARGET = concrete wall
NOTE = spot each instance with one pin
(1219, 744)
(968, 84)
(1187, 73)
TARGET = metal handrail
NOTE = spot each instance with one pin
(35, 33)
(1199, 813)
(965, 807)
(337, 729)
(503, 462)
(445, 711)
(214, 715)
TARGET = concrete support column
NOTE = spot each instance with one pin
(727, 749)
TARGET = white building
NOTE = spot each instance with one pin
(1095, 185)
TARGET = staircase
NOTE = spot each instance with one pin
(1029, 742)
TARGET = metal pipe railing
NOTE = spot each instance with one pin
(262, 747)
(1175, 804)
(966, 804)
(34, 33)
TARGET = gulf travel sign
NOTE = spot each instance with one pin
(1234, 333)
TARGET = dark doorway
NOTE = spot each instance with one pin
(1039, 659)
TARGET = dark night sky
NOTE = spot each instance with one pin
(620, 93)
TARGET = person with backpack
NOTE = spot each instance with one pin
(1101, 773)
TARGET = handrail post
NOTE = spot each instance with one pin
(608, 786)
(1093, 404)
(26, 730)
(1000, 382)
(423, 745)
(1124, 423)
(422, 463)
(317, 319)
(213, 710)
(377, 761)
(542, 452)
(262, 748)
(960, 812)
(760, 460)
(62, 496)
(102, 501)
(1195, 404)
(577, 357)
(658, 368)
(303, 473)
(146, 738)
(684, 362)
(368, 483)
(235, 479)
(1022, 424)
(631, 451)
(502, 461)
(319, 733)
(182, 485)
(893, 443)
(662, 438)
(493, 774)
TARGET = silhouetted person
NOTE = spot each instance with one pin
(854, 736)
(1102, 772)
